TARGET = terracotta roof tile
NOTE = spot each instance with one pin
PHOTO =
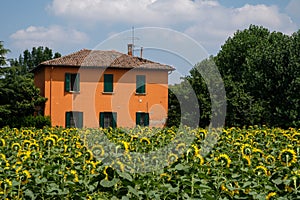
(98, 58)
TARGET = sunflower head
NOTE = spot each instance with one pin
(287, 157)
(262, 170)
(16, 146)
(49, 141)
(24, 176)
(98, 151)
(223, 159)
(145, 141)
(269, 159)
(246, 149)
(172, 158)
(2, 142)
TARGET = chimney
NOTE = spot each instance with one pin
(130, 46)
(141, 52)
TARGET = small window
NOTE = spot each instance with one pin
(74, 119)
(142, 119)
(72, 82)
(108, 82)
(108, 119)
(140, 84)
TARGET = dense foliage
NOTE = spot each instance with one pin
(55, 163)
(260, 70)
(20, 99)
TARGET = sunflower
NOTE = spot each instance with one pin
(259, 152)
(88, 155)
(16, 146)
(33, 146)
(5, 186)
(223, 159)
(247, 159)
(2, 142)
(172, 158)
(49, 141)
(270, 159)
(26, 144)
(74, 173)
(180, 147)
(201, 134)
(90, 166)
(98, 150)
(246, 149)
(133, 137)
(271, 195)
(287, 157)
(262, 170)
(145, 140)
(25, 176)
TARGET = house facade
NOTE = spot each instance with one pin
(93, 88)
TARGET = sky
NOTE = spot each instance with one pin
(175, 32)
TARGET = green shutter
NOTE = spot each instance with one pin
(138, 118)
(108, 82)
(140, 84)
(77, 83)
(146, 123)
(67, 82)
(68, 118)
(80, 120)
(114, 120)
(101, 120)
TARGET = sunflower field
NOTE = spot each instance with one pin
(143, 163)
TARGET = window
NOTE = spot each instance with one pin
(72, 82)
(74, 119)
(142, 119)
(108, 82)
(108, 119)
(140, 84)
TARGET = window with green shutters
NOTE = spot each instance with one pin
(142, 119)
(72, 82)
(74, 119)
(108, 119)
(140, 84)
(108, 82)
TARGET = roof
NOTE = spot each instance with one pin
(98, 58)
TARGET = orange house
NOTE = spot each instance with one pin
(103, 89)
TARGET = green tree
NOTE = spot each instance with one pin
(19, 96)
(29, 60)
(258, 68)
(3, 53)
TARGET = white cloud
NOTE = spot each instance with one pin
(293, 9)
(205, 20)
(53, 37)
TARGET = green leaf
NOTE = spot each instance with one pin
(277, 181)
(107, 183)
(30, 194)
(125, 175)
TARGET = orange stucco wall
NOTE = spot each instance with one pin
(91, 100)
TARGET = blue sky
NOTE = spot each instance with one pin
(67, 26)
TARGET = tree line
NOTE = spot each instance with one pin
(260, 71)
(261, 75)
